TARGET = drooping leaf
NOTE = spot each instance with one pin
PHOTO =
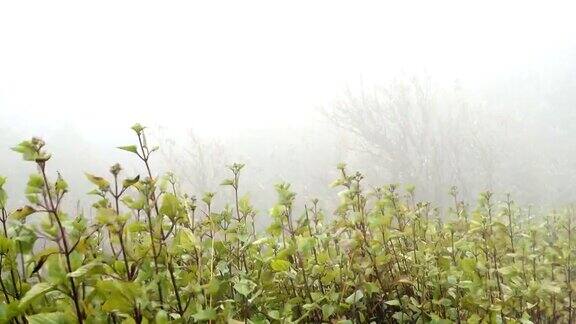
(42, 257)
(38, 290)
(83, 270)
(102, 183)
(130, 182)
(27, 149)
(22, 213)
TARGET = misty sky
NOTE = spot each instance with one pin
(238, 65)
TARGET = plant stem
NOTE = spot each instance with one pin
(66, 253)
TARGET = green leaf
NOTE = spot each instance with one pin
(474, 319)
(377, 220)
(55, 273)
(280, 265)
(207, 197)
(61, 185)
(305, 244)
(102, 183)
(162, 317)
(26, 239)
(129, 148)
(234, 321)
(8, 311)
(6, 245)
(208, 314)
(213, 286)
(393, 302)
(261, 241)
(22, 213)
(49, 318)
(344, 322)
(327, 311)
(468, 265)
(34, 187)
(3, 194)
(38, 290)
(355, 297)
(42, 257)
(130, 182)
(116, 302)
(227, 182)
(35, 181)
(106, 216)
(402, 317)
(83, 270)
(244, 287)
(27, 149)
(3, 198)
(187, 239)
(171, 206)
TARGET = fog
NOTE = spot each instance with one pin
(479, 95)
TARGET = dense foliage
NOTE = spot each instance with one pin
(152, 254)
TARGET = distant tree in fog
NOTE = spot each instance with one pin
(411, 132)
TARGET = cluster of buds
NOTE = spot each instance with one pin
(115, 169)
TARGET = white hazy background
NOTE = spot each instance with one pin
(79, 73)
(210, 65)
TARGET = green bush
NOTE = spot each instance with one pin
(152, 254)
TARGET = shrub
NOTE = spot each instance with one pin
(153, 254)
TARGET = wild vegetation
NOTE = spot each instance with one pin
(154, 254)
